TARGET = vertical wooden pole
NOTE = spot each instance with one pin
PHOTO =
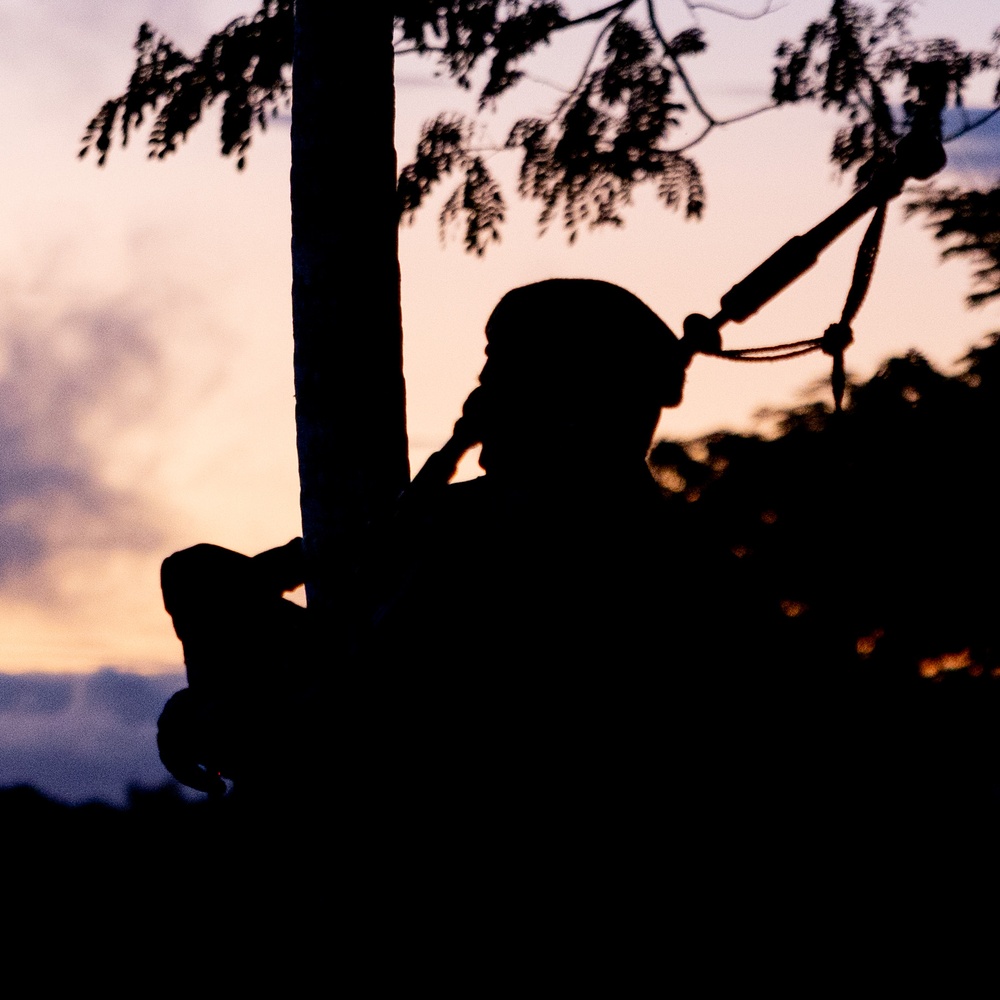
(350, 396)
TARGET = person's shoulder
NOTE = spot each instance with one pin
(468, 491)
(468, 495)
(451, 508)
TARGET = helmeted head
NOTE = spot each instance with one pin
(574, 358)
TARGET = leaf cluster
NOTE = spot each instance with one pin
(606, 137)
(856, 62)
(608, 134)
(247, 64)
(611, 130)
(970, 222)
(463, 34)
(444, 148)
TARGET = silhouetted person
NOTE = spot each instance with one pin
(530, 703)
(546, 553)
(509, 721)
(535, 573)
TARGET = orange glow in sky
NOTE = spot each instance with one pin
(145, 334)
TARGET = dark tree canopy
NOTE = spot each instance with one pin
(851, 556)
(613, 129)
(609, 133)
(876, 526)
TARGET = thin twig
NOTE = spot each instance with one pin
(595, 15)
(590, 58)
(416, 48)
(970, 126)
(712, 125)
(694, 142)
(542, 82)
(768, 8)
(668, 52)
(743, 116)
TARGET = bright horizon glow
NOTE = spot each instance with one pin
(145, 340)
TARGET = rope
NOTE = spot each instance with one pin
(864, 266)
(838, 336)
(775, 352)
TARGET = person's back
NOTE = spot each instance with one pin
(547, 557)
(525, 693)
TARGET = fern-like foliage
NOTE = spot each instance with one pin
(610, 132)
(969, 222)
(445, 148)
(463, 34)
(247, 64)
(609, 136)
(854, 61)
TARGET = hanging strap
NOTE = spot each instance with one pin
(701, 334)
(838, 336)
(918, 154)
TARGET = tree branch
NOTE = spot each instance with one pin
(972, 126)
(721, 122)
(414, 49)
(621, 6)
(768, 8)
(575, 89)
(682, 76)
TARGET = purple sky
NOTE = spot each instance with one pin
(82, 737)
(145, 348)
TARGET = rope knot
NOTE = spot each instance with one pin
(836, 338)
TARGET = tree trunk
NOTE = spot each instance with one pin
(350, 398)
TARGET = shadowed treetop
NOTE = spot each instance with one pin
(611, 130)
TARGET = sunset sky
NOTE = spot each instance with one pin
(145, 330)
